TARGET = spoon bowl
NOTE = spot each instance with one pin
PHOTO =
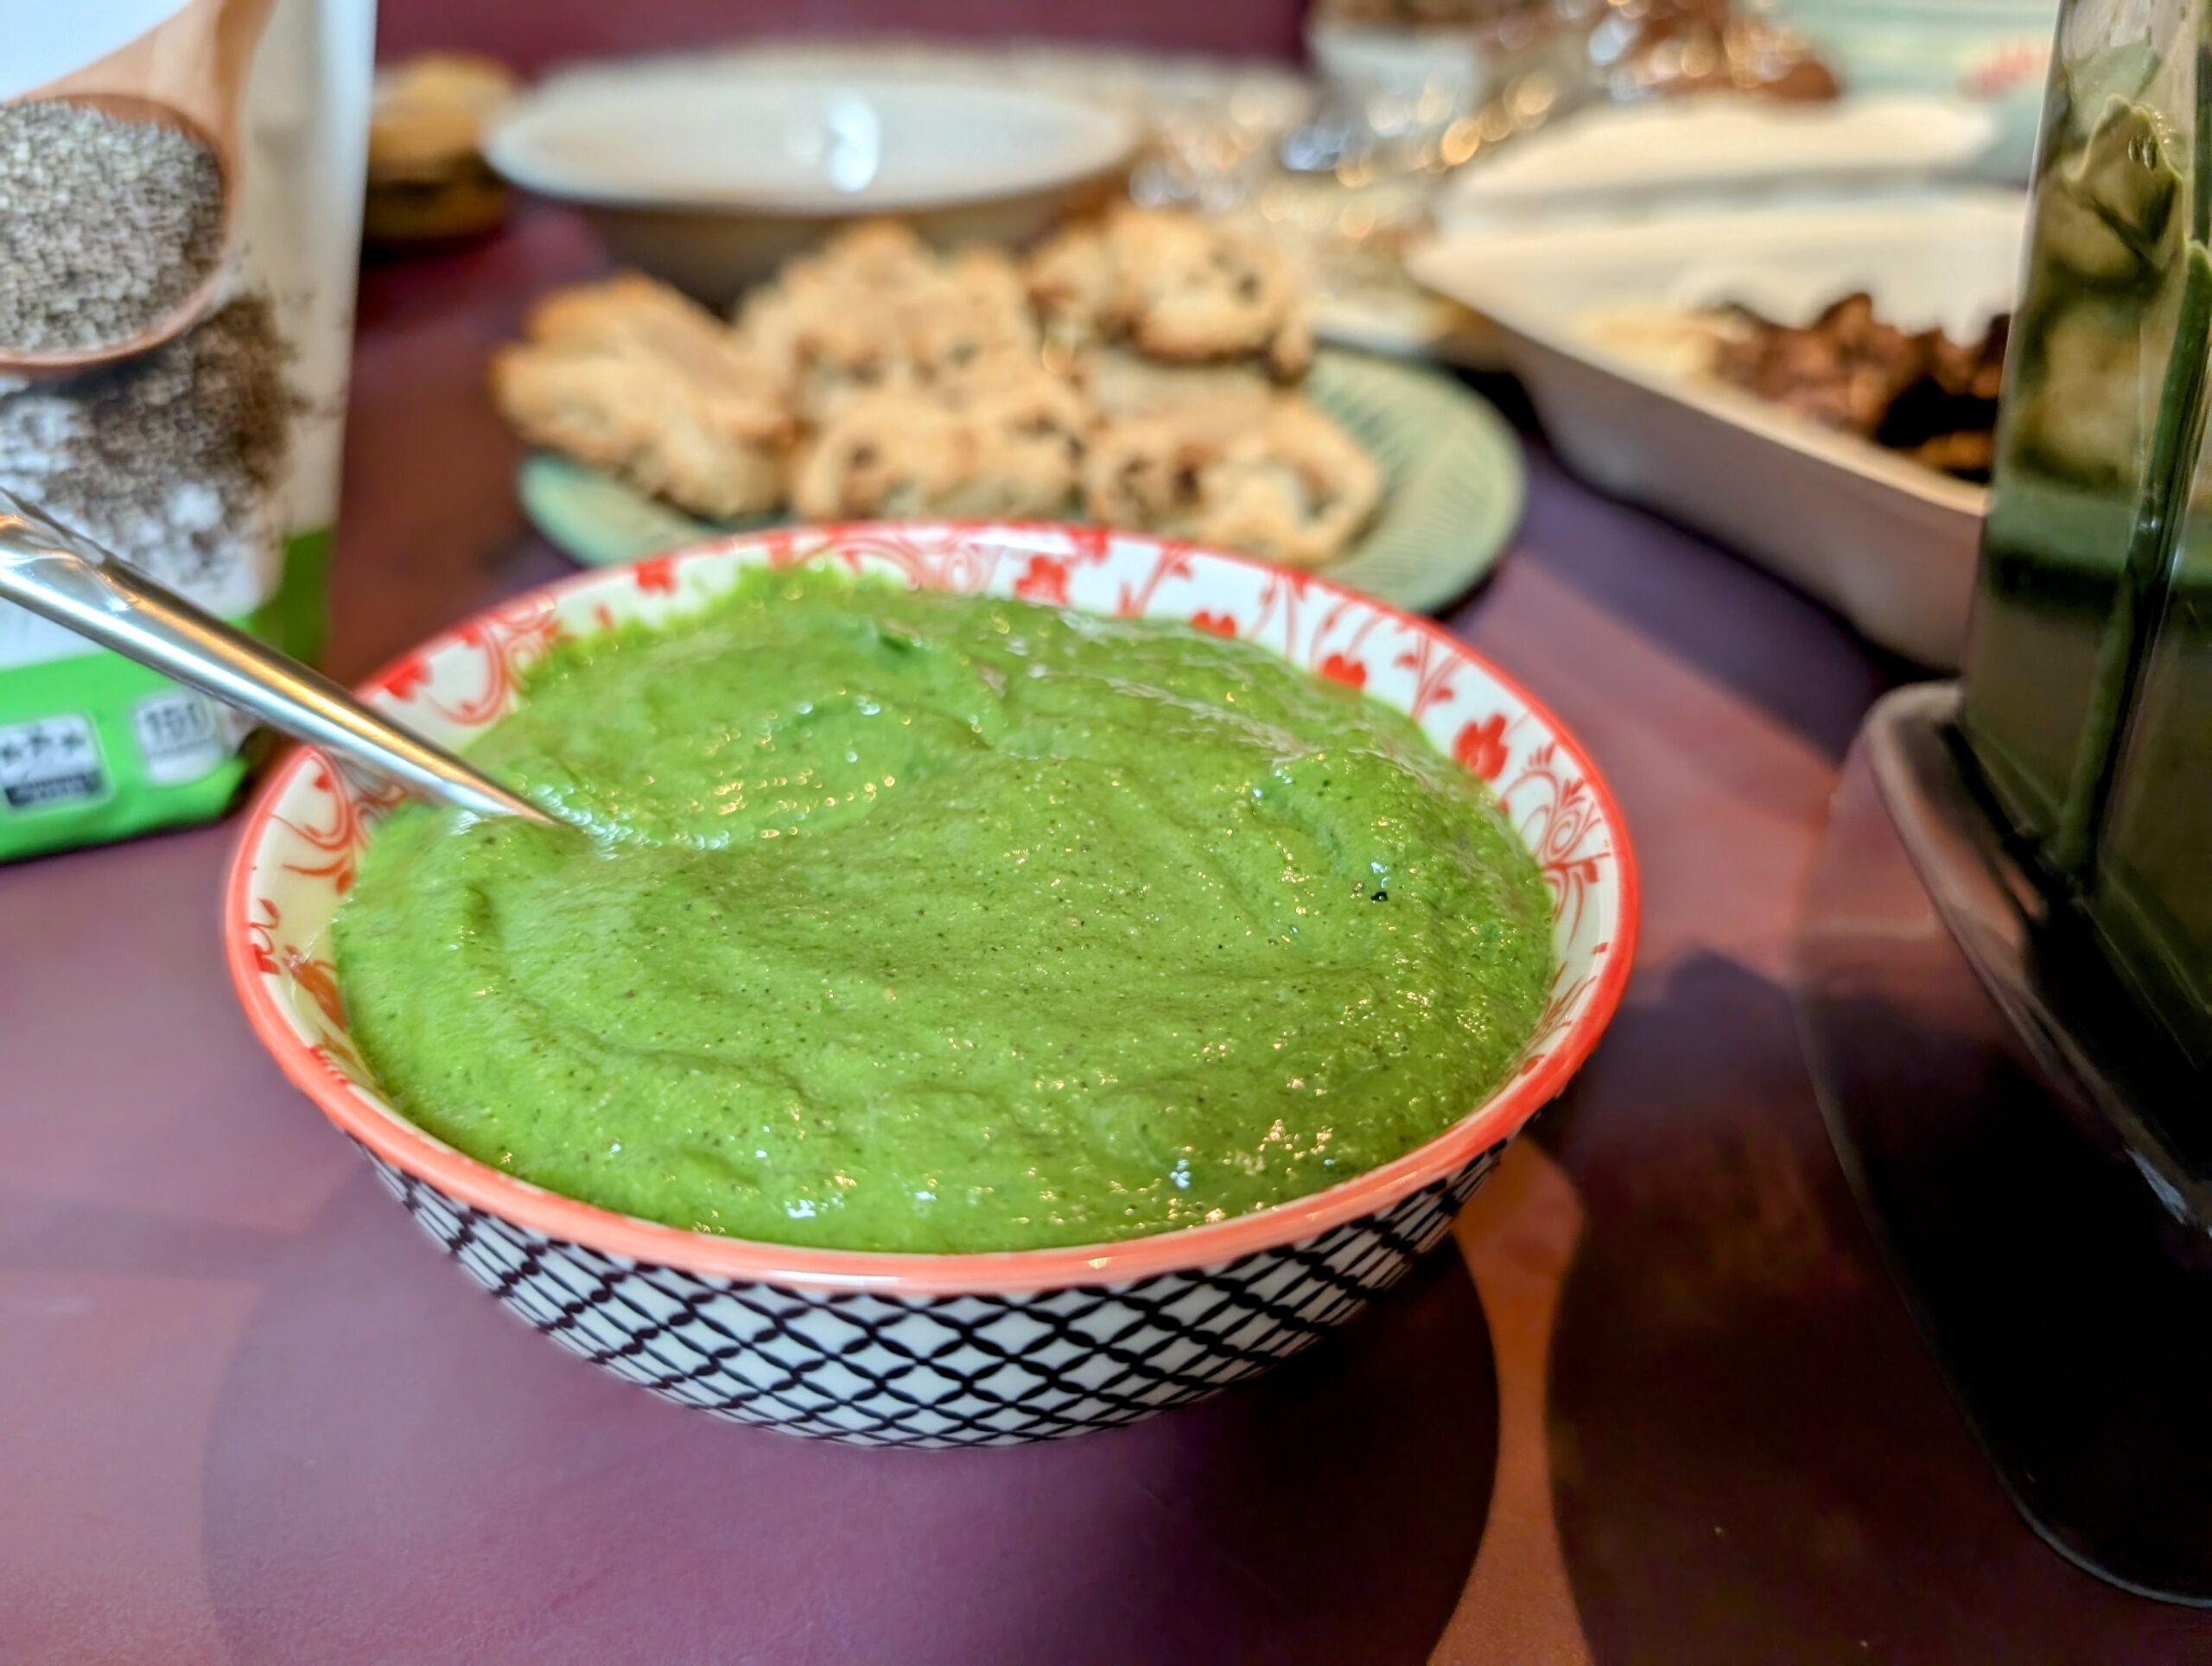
(51, 363)
(187, 73)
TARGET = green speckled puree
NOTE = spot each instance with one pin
(919, 922)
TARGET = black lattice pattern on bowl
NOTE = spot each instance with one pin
(939, 1370)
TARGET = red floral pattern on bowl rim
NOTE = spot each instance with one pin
(297, 848)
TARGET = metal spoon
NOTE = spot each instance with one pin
(64, 576)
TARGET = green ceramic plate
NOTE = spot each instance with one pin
(1452, 495)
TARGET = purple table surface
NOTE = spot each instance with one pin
(560, 30)
(1677, 1414)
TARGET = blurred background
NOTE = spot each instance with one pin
(1654, 348)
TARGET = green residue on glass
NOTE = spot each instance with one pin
(2103, 397)
(2087, 672)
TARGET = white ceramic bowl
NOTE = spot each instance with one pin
(1370, 61)
(711, 172)
(954, 1350)
(1888, 543)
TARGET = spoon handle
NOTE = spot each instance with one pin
(68, 579)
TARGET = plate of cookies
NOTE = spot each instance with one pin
(1151, 371)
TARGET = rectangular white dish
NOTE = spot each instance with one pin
(1620, 159)
(1888, 543)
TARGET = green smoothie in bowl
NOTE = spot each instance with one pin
(907, 921)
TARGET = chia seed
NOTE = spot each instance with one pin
(105, 225)
(172, 459)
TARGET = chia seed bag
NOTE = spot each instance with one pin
(211, 462)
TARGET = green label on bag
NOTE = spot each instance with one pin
(95, 748)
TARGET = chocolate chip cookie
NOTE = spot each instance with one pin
(877, 311)
(1175, 288)
(1003, 447)
(1291, 486)
(631, 377)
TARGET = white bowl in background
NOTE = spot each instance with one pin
(711, 172)
(1380, 60)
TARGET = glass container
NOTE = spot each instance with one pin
(2088, 669)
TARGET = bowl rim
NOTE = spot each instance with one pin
(388, 1136)
(1098, 139)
